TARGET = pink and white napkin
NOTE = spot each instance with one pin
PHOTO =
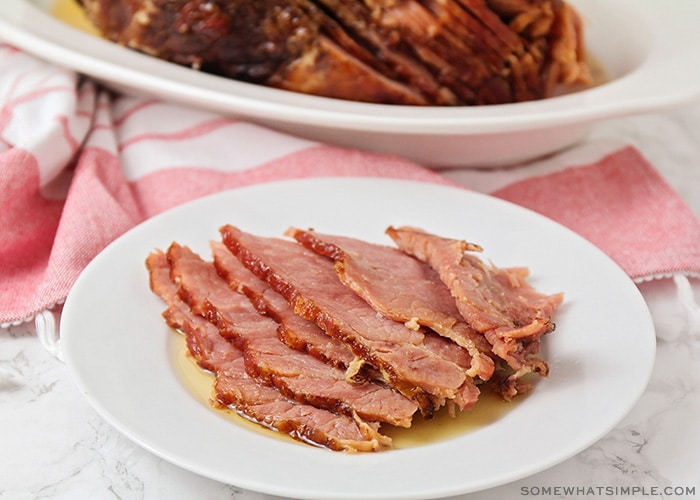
(79, 166)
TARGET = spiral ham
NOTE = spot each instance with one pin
(411, 52)
(322, 330)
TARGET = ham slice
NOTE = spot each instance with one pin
(499, 303)
(401, 288)
(293, 330)
(296, 374)
(328, 337)
(309, 283)
(248, 396)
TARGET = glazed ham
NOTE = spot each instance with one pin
(296, 374)
(293, 330)
(310, 284)
(496, 302)
(489, 298)
(249, 397)
(379, 274)
(410, 52)
(330, 338)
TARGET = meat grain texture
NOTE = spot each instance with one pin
(408, 52)
(328, 338)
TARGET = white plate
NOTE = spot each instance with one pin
(116, 344)
(648, 48)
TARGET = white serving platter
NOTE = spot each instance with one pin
(647, 47)
(118, 348)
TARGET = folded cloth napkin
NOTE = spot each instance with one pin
(79, 166)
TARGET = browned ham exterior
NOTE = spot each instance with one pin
(248, 396)
(310, 284)
(296, 374)
(411, 52)
(380, 274)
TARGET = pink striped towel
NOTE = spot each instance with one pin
(79, 166)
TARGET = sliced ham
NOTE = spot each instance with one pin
(498, 303)
(293, 330)
(402, 288)
(309, 283)
(248, 396)
(488, 297)
(296, 374)
(408, 52)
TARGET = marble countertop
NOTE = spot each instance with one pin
(54, 445)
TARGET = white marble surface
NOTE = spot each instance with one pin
(54, 445)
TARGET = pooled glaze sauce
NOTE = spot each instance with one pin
(71, 13)
(441, 427)
(200, 383)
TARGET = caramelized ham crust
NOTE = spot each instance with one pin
(409, 52)
(248, 396)
(309, 283)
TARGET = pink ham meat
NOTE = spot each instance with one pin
(249, 397)
(307, 281)
(293, 330)
(294, 373)
(401, 288)
(496, 302)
